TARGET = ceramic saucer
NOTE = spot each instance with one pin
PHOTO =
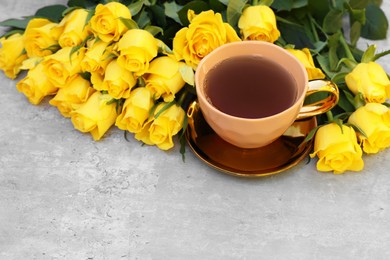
(282, 154)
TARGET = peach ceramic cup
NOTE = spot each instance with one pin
(254, 133)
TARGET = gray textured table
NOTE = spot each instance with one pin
(65, 196)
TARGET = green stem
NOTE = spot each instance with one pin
(379, 55)
(329, 115)
(346, 48)
(313, 28)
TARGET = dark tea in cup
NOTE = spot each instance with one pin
(250, 86)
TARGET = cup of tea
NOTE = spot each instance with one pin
(250, 92)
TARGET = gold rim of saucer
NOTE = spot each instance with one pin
(281, 155)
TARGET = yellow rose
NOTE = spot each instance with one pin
(337, 149)
(106, 23)
(118, 81)
(137, 48)
(163, 78)
(35, 86)
(97, 80)
(41, 37)
(62, 65)
(159, 131)
(304, 56)
(12, 55)
(135, 110)
(71, 96)
(75, 30)
(97, 57)
(206, 32)
(374, 120)
(95, 116)
(371, 80)
(258, 23)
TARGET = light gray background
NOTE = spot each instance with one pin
(64, 196)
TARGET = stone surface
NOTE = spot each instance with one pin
(65, 196)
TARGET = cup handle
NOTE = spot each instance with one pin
(320, 106)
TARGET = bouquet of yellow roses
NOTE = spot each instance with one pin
(131, 63)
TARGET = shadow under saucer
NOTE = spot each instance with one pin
(284, 153)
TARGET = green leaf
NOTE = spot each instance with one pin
(16, 23)
(142, 19)
(154, 30)
(171, 11)
(158, 15)
(318, 9)
(333, 21)
(369, 54)
(296, 35)
(354, 33)
(319, 46)
(135, 7)
(197, 6)
(339, 77)
(323, 61)
(288, 5)
(129, 23)
(165, 107)
(163, 48)
(346, 101)
(234, 11)
(282, 5)
(51, 12)
(310, 135)
(359, 100)
(359, 4)
(348, 62)
(83, 3)
(225, 2)
(357, 129)
(217, 6)
(188, 75)
(12, 32)
(376, 24)
(358, 15)
(333, 43)
(266, 2)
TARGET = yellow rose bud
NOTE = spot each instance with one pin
(118, 81)
(135, 110)
(304, 56)
(106, 23)
(71, 96)
(337, 149)
(12, 55)
(75, 30)
(371, 80)
(97, 57)
(137, 48)
(62, 65)
(35, 86)
(163, 78)
(374, 120)
(41, 38)
(159, 131)
(206, 32)
(258, 23)
(95, 116)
